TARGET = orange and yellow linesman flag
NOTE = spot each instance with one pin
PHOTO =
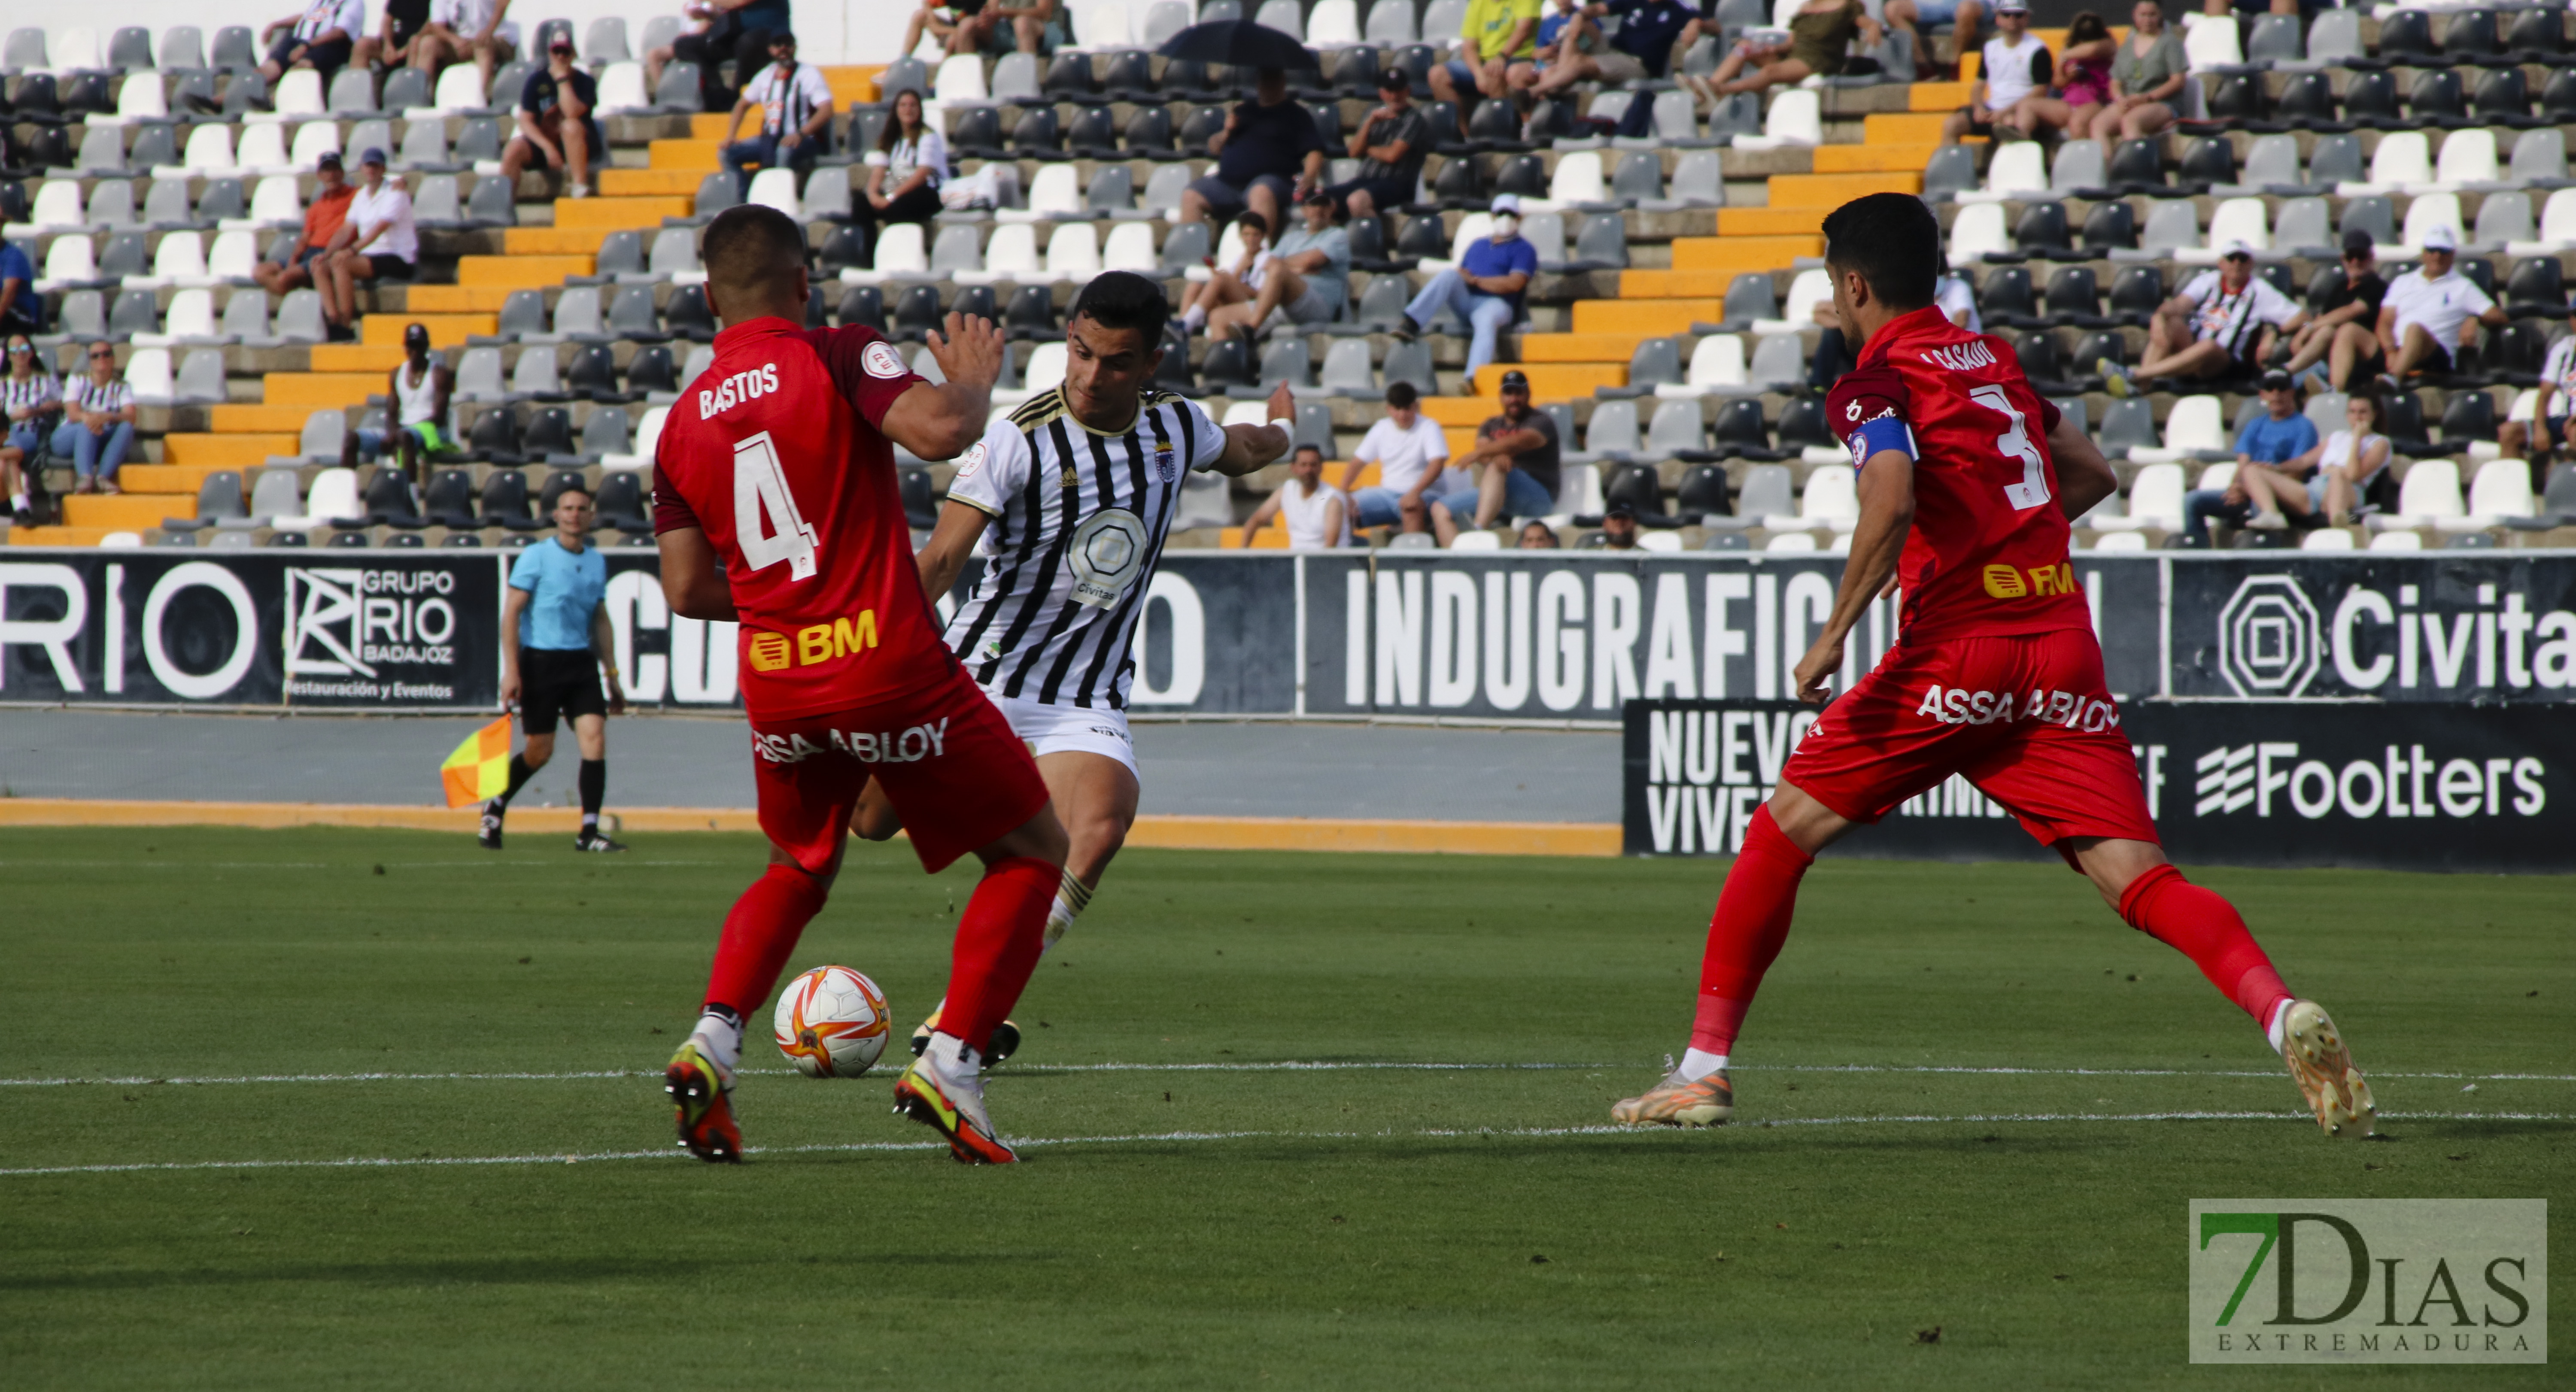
(480, 767)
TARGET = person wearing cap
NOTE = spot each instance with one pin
(2267, 470)
(1519, 450)
(419, 386)
(555, 122)
(321, 38)
(2552, 424)
(795, 105)
(2012, 77)
(1268, 155)
(1390, 146)
(378, 241)
(462, 29)
(322, 219)
(1484, 290)
(2426, 319)
(1492, 35)
(1618, 531)
(2346, 324)
(2221, 323)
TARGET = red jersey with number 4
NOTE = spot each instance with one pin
(775, 452)
(1987, 555)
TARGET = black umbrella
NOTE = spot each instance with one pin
(1239, 43)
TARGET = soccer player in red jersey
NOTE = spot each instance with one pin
(776, 505)
(1967, 483)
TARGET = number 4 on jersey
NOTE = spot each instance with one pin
(766, 525)
(2015, 443)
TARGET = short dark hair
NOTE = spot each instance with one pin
(1124, 300)
(751, 248)
(1305, 446)
(1893, 240)
(1401, 395)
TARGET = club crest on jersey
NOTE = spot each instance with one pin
(881, 360)
(1167, 465)
(1961, 357)
(970, 463)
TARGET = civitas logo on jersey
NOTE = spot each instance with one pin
(748, 385)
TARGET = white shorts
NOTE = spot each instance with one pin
(1069, 729)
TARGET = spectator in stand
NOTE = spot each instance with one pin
(391, 45)
(1536, 535)
(736, 29)
(795, 106)
(1267, 156)
(1390, 146)
(1816, 44)
(2432, 313)
(1316, 514)
(2222, 323)
(22, 310)
(1228, 286)
(2272, 454)
(1494, 35)
(1915, 16)
(476, 29)
(1618, 531)
(378, 242)
(2344, 334)
(1307, 278)
(322, 220)
(1650, 42)
(2083, 80)
(321, 38)
(1415, 489)
(98, 423)
(702, 22)
(555, 106)
(990, 26)
(1486, 289)
(2147, 75)
(1519, 451)
(419, 386)
(1565, 35)
(2014, 73)
(905, 171)
(30, 398)
(2553, 414)
(2343, 465)
(2231, 8)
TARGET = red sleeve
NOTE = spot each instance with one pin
(2049, 415)
(865, 368)
(1863, 395)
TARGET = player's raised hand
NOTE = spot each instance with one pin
(1283, 406)
(970, 353)
(1817, 668)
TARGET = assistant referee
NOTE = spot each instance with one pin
(556, 645)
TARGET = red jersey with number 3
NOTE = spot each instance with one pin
(775, 452)
(1987, 555)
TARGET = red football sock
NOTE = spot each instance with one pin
(1745, 934)
(759, 934)
(2203, 926)
(999, 938)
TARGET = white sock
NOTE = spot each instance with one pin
(1071, 898)
(1193, 319)
(18, 501)
(1699, 1063)
(722, 1037)
(2278, 1031)
(951, 1057)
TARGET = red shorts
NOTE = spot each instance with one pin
(2025, 719)
(946, 759)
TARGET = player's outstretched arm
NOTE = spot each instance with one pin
(938, 421)
(2084, 477)
(693, 578)
(1249, 447)
(1886, 515)
(943, 556)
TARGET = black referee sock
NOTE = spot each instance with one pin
(520, 773)
(594, 790)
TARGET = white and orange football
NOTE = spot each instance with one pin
(832, 1023)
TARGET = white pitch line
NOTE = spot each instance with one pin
(1146, 1138)
(1319, 1066)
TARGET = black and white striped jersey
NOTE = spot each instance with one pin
(1079, 520)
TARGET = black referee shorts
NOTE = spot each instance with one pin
(558, 684)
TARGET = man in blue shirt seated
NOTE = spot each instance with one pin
(1486, 289)
(2267, 442)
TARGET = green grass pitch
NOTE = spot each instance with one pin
(1225, 1225)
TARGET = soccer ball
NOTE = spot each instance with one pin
(832, 1023)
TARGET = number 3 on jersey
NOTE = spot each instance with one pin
(766, 525)
(2015, 443)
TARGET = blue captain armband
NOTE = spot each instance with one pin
(1878, 435)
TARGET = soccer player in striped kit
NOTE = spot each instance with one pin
(1070, 498)
(1968, 481)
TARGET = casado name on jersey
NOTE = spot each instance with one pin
(734, 390)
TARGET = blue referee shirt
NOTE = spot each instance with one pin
(564, 589)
